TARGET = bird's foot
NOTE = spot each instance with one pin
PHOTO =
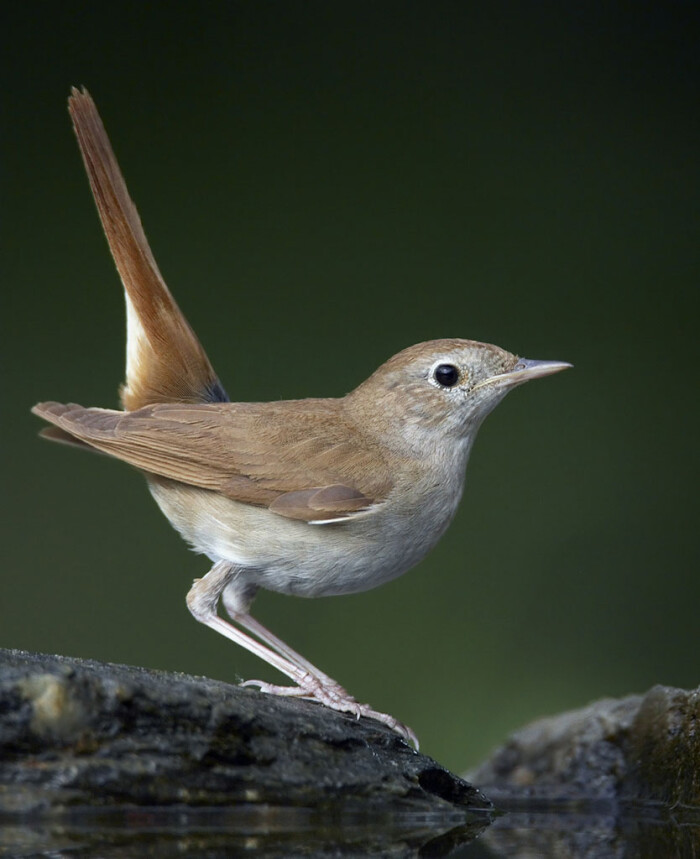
(398, 727)
(283, 691)
(336, 698)
(310, 689)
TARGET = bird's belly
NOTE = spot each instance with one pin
(346, 558)
(295, 557)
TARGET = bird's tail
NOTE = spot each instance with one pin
(165, 361)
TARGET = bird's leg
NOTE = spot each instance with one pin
(247, 621)
(329, 685)
(311, 682)
(202, 601)
(338, 698)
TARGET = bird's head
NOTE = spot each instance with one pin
(443, 388)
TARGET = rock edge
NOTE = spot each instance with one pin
(78, 733)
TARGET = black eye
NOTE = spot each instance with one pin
(446, 375)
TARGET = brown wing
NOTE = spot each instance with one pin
(302, 458)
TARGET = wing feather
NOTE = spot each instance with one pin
(302, 459)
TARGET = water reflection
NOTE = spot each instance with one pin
(279, 832)
(255, 830)
(574, 835)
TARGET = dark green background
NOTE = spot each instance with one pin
(324, 184)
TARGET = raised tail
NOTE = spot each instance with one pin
(165, 362)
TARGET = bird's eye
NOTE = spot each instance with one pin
(446, 375)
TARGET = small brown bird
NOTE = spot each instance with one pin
(307, 497)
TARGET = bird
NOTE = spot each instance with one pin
(309, 497)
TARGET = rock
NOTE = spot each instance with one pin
(77, 734)
(635, 751)
(616, 778)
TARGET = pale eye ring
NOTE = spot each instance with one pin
(446, 375)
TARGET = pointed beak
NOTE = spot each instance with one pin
(524, 370)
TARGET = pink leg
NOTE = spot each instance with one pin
(311, 682)
(341, 700)
(248, 622)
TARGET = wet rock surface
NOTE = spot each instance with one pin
(77, 734)
(643, 750)
(122, 761)
(618, 778)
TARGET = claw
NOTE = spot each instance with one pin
(330, 697)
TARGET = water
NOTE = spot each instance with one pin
(282, 832)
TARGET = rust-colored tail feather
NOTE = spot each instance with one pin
(165, 361)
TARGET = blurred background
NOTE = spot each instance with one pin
(323, 185)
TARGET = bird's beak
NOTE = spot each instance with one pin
(524, 370)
